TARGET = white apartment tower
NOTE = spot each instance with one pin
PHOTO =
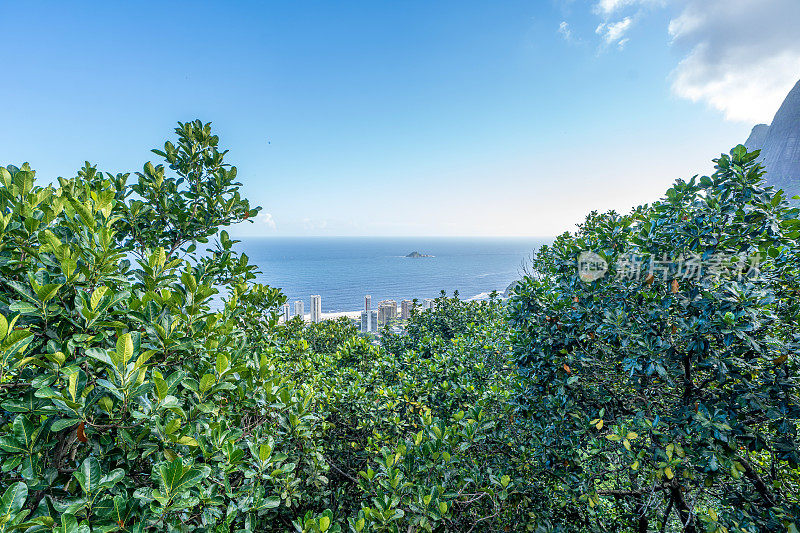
(366, 315)
(286, 312)
(298, 309)
(405, 309)
(316, 308)
(387, 312)
(369, 318)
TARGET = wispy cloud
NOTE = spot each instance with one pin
(265, 220)
(614, 32)
(612, 28)
(565, 31)
(607, 8)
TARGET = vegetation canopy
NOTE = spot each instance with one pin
(146, 386)
(664, 394)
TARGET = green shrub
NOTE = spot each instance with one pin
(665, 400)
(128, 401)
(145, 386)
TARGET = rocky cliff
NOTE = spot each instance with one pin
(757, 137)
(780, 145)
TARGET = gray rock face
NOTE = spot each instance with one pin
(757, 137)
(780, 148)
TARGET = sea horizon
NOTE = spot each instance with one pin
(343, 269)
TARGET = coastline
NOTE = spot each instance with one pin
(354, 315)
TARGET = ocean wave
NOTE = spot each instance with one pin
(480, 296)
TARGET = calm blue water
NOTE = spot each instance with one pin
(343, 269)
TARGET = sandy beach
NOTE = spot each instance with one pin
(355, 315)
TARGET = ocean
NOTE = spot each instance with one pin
(344, 269)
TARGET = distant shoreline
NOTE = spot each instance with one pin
(356, 315)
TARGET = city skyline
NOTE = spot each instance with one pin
(368, 319)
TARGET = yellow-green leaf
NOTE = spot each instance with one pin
(106, 404)
(97, 295)
(143, 358)
(161, 386)
(324, 524)
(206, 382)
(73, 385)
(57, 357)
(222, 363)
(124, 348)
(48, 292)
(264, 451)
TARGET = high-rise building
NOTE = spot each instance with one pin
(367, 302)
(387, 312)
(298, 309)
(427, 303)
(369, 321)
(405, 309)
(286, 312)
(316, 308)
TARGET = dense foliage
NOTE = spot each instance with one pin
(147, 386)
(669, 398)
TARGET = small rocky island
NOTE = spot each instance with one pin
(417, 254)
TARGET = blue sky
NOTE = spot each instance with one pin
(401, 118)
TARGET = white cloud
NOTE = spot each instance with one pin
(565, 31)
(740, 58)
(609, 7)
(265, 219)
(614, 32)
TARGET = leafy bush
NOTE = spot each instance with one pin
(664, 400)
(145, 386)
(127, 401)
